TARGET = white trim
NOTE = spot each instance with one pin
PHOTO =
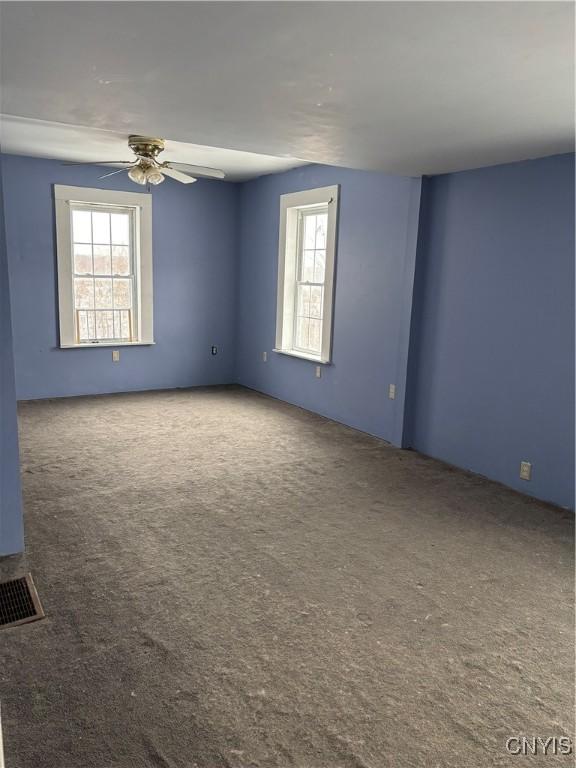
(98, 344)
(142, 204)
(302, 356)
(290, 205)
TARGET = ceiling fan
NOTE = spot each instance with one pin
(147, 169)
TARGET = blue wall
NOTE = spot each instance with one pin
(194, 234)
(11, 532)
(374, 280)
(492, 360)
(484, 335)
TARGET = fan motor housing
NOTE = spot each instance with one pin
(146, 146)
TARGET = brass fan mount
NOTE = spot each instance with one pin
(146, 147)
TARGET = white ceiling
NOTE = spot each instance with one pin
(404, 87)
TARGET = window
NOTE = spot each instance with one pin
(306, 273)
(104, 267)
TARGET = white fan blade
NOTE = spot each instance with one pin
(100, 162)
(178, 175)
(198, 170)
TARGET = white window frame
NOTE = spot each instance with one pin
(141, 203)
(288, 253)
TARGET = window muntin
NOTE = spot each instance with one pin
(104, 277)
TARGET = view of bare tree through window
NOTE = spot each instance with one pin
(103, 274)
(313, 225)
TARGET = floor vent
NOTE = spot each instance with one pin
(19, 602)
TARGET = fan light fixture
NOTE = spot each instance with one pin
(153, 175)
(137, 174)
(145, 173)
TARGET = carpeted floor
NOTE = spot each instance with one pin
(231, 581)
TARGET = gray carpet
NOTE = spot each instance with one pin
(231, 581)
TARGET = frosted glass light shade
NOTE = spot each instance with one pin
(137, 174)
(153, 176)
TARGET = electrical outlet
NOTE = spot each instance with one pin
(392, 391)
(525, 470)
(115, 355)
(264, 357)
(318, 371)
(214, 350)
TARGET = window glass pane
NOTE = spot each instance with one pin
(307, 266)
(122, 293)
(309, 231)
(319, 265)
(125, 325)
(303, 300)
(83, 259)
(87, 324)
(83, 293)
(321, 227)
(315, 301)
(302, 325)
(120, 228)
(102, 263)
(314, 336)
(81, 227)
(117, 324)
(83, 326)
(100, 227)
(91, 324)
(120, 260)
(104, 325)
(103, 291)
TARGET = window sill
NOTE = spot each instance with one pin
(98, 344)
(303, 356)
